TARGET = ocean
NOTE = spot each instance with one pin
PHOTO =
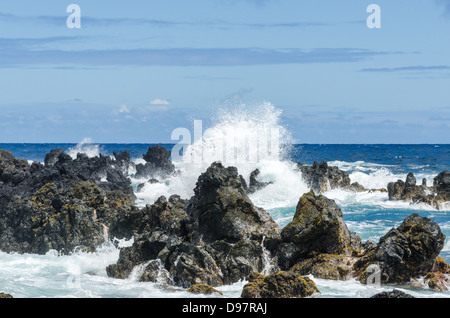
(370, 215)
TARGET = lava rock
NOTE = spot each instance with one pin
(406, 252)
(318, 227)
(321, 177)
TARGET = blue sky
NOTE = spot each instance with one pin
(136, 70)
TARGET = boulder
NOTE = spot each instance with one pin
(63, 205)
(392, 295)
(221, 209)
(203, 289)
(406, 252)
(321, 177)
(441, 185)
(318, 227)
(157, 163)
(254, 184)
(279, 285)
(326, 266)
(407, 191)
(217, 237)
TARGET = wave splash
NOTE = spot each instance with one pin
(248, 138)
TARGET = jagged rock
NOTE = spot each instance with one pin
(61, 205)
(279, 285)
(405, 190)
(321, 177)
(355, 187)
(326, 266)
(254, 184)
(217, 237)
(409, 191)
(203, 289)
(406, 252)
(3, 295)
(393, 294)
(157, 163)
(318, 227)
(221, 209)
(441, 185)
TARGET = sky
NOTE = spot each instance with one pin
(134, 71)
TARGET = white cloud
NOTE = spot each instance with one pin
(124, 109)
(160, 102)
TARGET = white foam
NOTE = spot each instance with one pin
(253, 125)
(87, 147)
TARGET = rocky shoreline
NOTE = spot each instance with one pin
(218, 236)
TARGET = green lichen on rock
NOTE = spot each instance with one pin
(282, 284)
(203, 289)
(326, 266)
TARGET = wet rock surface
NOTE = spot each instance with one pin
(321, 177)
(406, 252)
(217, 237)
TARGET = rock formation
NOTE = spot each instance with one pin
(406, 252)
(321, 177)
(279, 285)
(217, 237)
(411, 192)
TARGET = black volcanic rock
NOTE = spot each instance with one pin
(217, 237)
(321, 177)
(392, 295)
(406, 252)
(317, 228)
(63, 204)
(157, 164)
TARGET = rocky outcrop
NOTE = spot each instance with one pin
(441, 186)
(217, 237)
(221, 209)
(64, 204)
(3, 295)
(279, 285)
(203, 289)
(321, 177)
(317, 228)
(392, 295)
(406, 252)
(157, 163)
(407, 190)
(255, 184)
(411, 192)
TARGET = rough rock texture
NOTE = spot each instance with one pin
(409, 191)
(326, 266)
(254, 184)
(392, 294)
(157, 163)
(317, 228)
(279, 285)
(203, 289)
(441, 185)
(321, 177)
(217, 237)
(406, 252)
(221, 209)
(64, 204)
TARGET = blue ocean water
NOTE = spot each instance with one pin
(369, 214)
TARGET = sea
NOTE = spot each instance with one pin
(370, 214)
